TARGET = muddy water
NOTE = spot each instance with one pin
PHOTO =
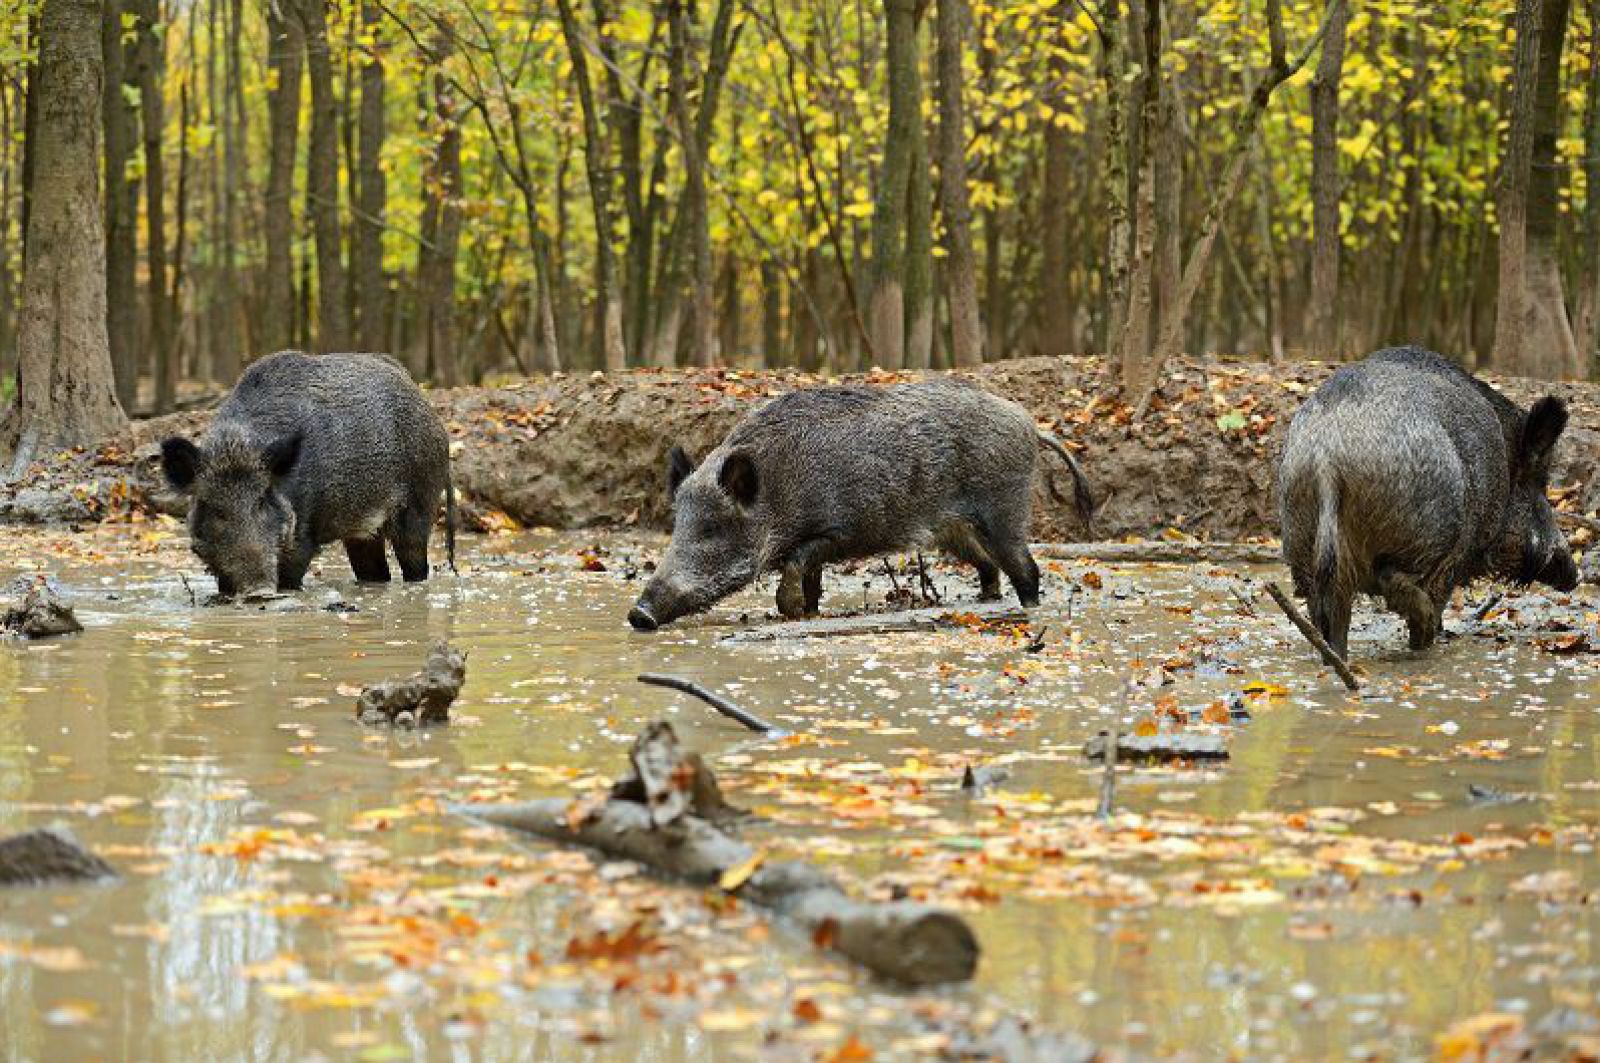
(1363, 874)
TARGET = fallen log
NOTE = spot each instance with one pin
(1175, 746)
(905, 941)
(1313, 636)
(884, 623)
(1161, 551)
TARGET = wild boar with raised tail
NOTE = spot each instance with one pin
(1406, 477)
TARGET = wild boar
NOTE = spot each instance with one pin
(1405, 477)
(839, 473)
(306, 450)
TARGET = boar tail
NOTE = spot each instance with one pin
(1325, 557)
(450, 521)
(1082, 498)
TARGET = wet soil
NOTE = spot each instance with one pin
(1392, 873)
(576, 452)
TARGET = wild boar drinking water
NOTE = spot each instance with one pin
(840, 473)
(309, 449)
(1405, 477)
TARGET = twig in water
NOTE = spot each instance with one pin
(1038, 640)
(1487, 607)
(1249, 606)
(1313, 636)
(716, 701)
(1108, 778)
(894, 584)
(186, 586)
(930, 593)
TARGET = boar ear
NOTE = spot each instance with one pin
(1543, 426)
(738, 477)
(180, 460)
(281, 454)
(679, 466)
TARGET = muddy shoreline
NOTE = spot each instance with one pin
(589, 451)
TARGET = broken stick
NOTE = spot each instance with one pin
(881, 623)
(716, 701)
(1313, 636)
(1108, 781)
(902, 940)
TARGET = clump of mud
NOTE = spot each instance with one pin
(418, 700)
(49, 854)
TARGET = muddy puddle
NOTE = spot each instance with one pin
(1366, 875)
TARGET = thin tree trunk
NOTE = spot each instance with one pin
(1056, 198)
(1113, 65)
(229, 352)
(366, 234)
(1511, 210)
(66, 389)
(121, 209)
(1134, 345)
(771, 352)
(960, 266)
(1322, 329)
(1245, 126)
(322, 180)
(286, 60)
(919, 297)
(152, 78)
(441, 232)
(886, 314)
(597, 164)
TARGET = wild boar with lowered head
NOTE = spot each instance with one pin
(306, 450)
(840, 473)
(1405, 477)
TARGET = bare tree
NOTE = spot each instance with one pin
(960, 267)
(366, 231)
(1322, 330)
(322, 182)
(121, 209)
(286, 59)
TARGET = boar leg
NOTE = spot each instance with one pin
(1330, 611)
(961, 542)
(1402, 595)
(1020, 569)
(408, 531)
(367, 560)
(293, 562)
(812, 584)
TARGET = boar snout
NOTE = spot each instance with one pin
(1560, 572)
(642, 618)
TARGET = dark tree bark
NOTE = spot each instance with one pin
(286, 58)
(597, 155)
(1133, 347)
(886, 312)
(1511, 208)
(322, 182)
(919, 299)
(1113, 68)
(121, 209)
(441, 238)
(1056, 197)
(1322, 327)
(1548, 349)
(1587, 326)
(231, 342)
(66, 390)
(771, 313)
(960, 265)
(366, 233)
(152, 60)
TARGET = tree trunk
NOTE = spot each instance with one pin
(1165, 143)
(960, 266)
(1586, 328)
(66, 389)
(1548, 349)
(1133, 346)
(886, 313)
(1511, 209)
(122, 211)
(1056, 198)
(1322, 329)
(919, 298)
(1112, 68)
(441, 234)
(771, 352)
(152, 78)
(229, 351)
(597, 164)
(286, 59)
(366, 234)
(322, 179)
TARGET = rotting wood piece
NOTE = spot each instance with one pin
(905, 941)
(39, 611)
(1176, 746)
(49, 854)
(419, 699)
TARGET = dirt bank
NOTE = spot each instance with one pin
(572, 452)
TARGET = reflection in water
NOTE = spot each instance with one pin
(293, 885)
